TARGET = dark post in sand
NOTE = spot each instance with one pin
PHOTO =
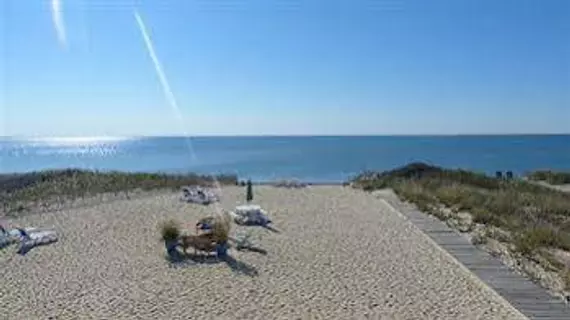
(249, 195)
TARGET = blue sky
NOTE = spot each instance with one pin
(286, 67)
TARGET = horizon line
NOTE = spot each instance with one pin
(280, 135)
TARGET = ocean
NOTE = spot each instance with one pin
(312, 158)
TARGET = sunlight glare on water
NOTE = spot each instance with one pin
(78, 146)
(70, 141)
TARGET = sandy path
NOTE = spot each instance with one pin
(361, 261)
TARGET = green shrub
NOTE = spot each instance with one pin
(169, 230)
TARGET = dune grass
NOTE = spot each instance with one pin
(535, 217)
(551, 177)
(221, 227)
(19, 192)
(169, 230)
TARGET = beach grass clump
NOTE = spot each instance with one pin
(534, 238)
(21, 191)
(221, 227)
(169, 230)
(539, 216)
(551, 177)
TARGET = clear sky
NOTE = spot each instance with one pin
(285, 67)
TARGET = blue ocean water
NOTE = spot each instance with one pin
(318, 159)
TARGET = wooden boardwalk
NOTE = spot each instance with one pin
(528, 297)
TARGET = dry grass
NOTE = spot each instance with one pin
(537, 216)
(19, 192)
(170, 230)
(551, 177)
(221, 227)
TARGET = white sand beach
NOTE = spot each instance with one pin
(340, 254)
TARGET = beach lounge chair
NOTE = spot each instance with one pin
(291, 184)
(195, 194)
(11, 236)
(250, 215)
(33, 237)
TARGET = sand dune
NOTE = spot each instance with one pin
(340, 254)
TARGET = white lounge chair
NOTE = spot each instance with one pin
(199, 195)
(251, 215)
(291, 184)
(35, 237)
(11, 236)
